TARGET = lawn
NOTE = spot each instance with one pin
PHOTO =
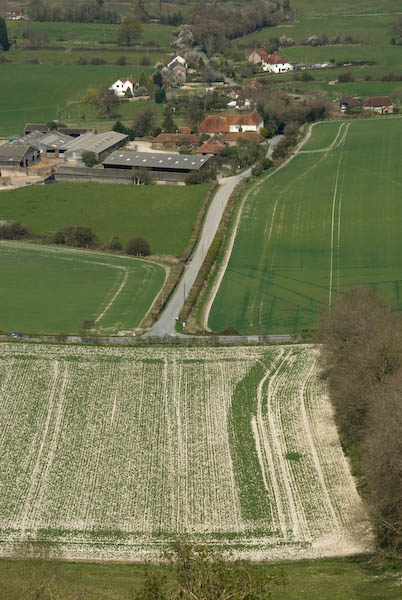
(109, 453)
(47, 290)
(324, 221)
(165, 215)
(325, 579)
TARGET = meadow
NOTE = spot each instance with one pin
(112, 452)
(326, 220)
(164, 215)
(48, 290)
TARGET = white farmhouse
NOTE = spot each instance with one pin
(123, 84)
(274, 63)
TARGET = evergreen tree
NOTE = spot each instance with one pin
(143, 80)
(4, 43)
(168, 125)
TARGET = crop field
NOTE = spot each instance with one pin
(164, 215)
(112, 452)
(330, 218)
(49, 290)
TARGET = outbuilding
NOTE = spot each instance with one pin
(379, 104)
(17, 155)
(162, 167)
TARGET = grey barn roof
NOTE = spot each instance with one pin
(159, 160)
(13, 152)
(97, 143)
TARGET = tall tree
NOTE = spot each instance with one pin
(4, 43)
(107, 102)
(130, 31)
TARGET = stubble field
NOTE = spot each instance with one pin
(330, 218)
(112, 452)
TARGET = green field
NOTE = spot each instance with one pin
(48, 290)
(109, 453)
(326, 220)
(325, 579)
(165, 215)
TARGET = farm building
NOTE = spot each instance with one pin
(52, 143)
(213, 146)
(38, 127)
(162, 167)
(346, 102)
(123, 84)
(173, 140)
(17, 155)
(98, 143)
(379, 104)
(88, 175)
(224, 123)
(75, 131)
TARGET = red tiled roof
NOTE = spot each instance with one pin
(251, 119)
(215, 124)
(162, 138)
(263, 53)
(211, 147)
(275, 59)
(374, 101)
(251, 136)
(124, 79)
(185, 130)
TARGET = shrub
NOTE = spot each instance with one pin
(114, 244)
(13, 231)
(138, 246)
(306, 76)
(97, 61)
(76, 236)
(89, 158)
(160, 95)
(346, 77)
(121, 60)
(144, 61)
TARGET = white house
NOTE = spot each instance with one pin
(177, 59)
(274, 63)
(123, 84)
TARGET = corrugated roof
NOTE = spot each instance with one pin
(97, 143)
(14, 151)
(161, 160)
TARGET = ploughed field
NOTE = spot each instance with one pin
(330, 218)
(111, 452)
(51, 290)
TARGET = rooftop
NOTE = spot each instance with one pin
(378, 101)
(161, 160)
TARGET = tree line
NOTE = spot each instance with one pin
(73, 11)
(362, 361)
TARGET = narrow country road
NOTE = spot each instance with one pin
(165, 325)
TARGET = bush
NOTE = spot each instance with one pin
(114, 244)
(89, 158)
(138, 246)
(144, 61)
(13, 231)
(97, 61)
(121, 60)
(76, 236)
(306, 76)
(346, 77)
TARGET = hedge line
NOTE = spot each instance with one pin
(185, 255)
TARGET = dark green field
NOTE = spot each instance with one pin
(326, 220)
(48, 290)
(165, 215)
(328, 579)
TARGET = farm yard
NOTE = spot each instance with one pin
(111, 452)
(49, 290)
(122, 210)
(331, 217)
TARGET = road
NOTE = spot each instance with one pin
(165, 325)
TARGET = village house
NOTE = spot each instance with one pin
(177, 60)
(212, 146)
(273, 63)
(224, 123)
(123, 84)
(379, 104)
(231, 139)
(172, 141)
